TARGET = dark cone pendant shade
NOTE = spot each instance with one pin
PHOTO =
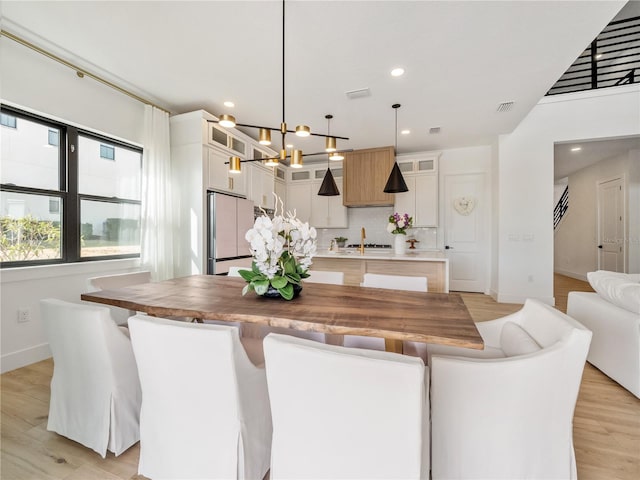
(329, 187)
(396, 183)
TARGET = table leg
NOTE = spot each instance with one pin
(392, 345)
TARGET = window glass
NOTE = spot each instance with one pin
(107, 152)
(109, 228)
(237, 145)
(28, 158)
(29, 230)
(7, 120)
(219, 136)
(118, 177)
(54, 138)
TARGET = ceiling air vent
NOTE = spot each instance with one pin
(505, 106)
(358, 93)
(433, 130)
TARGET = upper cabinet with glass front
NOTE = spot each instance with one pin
(420, 172)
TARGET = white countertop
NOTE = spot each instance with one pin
(384, 254)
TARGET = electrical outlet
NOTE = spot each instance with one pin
(24, 315)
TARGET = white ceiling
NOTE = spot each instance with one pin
(461, 59)
(591, 151)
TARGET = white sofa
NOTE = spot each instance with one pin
(613, 315)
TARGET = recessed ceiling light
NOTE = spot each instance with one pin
(598, 56)
(405, 132)
(289, 145)
(576, 149)
(229, 104)
(396, 72)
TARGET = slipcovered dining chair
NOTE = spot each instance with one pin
(323, 276)
(95, 392)
(119, 280)
(506, 411)
(235, 271)
(390, 282)
(341, 413)
(205, 408)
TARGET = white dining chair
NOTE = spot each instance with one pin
(390, 282)
(119, 280)
(507, 411)
(95, 392)
(205, 408)
(324, 276)
(235, 271)
(394, 282)
(341, 413)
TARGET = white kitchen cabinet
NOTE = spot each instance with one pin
(280, 187)
(328, 212)
(421, 201)
(199, 150)
(319, 211)
(261, 185)
(218, 176)
(299, 199)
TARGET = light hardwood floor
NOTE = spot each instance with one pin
(606, 421)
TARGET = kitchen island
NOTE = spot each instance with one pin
(431, 264)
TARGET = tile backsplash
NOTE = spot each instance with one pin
(374, 220)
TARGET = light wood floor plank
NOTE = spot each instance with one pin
(606, 420)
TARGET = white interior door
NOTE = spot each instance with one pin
(464, 232)
(611, 225)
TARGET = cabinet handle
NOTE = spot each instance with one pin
(447, 247)
(230, 183)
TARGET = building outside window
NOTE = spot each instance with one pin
(7, 120)
(61, 204)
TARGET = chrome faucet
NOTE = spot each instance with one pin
(363, 235)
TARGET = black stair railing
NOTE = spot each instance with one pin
(612, 59)
(561, 207)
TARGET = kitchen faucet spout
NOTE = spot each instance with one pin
(363, 235)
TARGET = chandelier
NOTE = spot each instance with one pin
(264, 132)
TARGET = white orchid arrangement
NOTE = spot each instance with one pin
(282, 249)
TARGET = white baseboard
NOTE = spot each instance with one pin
(25, 357)
(577, 276)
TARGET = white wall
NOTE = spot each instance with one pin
(576, 238)
(525, 176)
(33, 82)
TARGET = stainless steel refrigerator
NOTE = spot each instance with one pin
(229, 218)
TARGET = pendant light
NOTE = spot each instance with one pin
(396, 183)
(329, 142)
(264, 135)
(264, 132)
(234, 165)
(328, 188)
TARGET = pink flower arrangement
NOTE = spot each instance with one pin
(399, 223)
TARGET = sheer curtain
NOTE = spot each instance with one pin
(157, 213)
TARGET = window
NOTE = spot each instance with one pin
(66, 205)
(54, 138)
(107, 152)
(7, 120)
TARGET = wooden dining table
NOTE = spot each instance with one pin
(394, 315)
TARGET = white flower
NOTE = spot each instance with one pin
(270, 238)
(401, 223)
(390, 227)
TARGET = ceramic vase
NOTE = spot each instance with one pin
(400, 246)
